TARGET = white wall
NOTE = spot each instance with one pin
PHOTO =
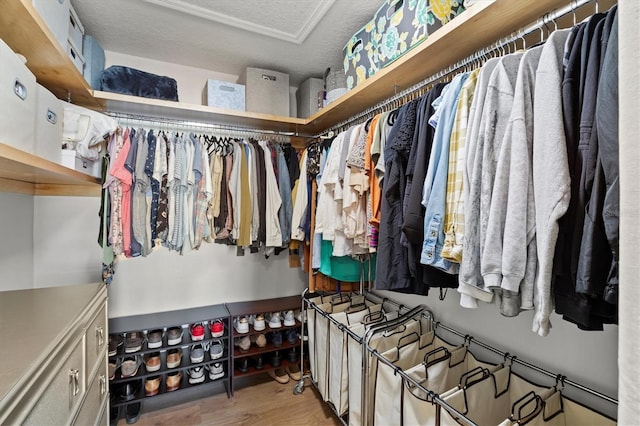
(587, 357)
(16, 235)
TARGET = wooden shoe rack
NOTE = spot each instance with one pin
(266, 306)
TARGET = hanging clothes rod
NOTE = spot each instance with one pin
(516, 360)
(189, 124)
(414, 90)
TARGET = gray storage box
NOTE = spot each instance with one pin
(94, 61)
(221, 94)
(310, 97)
(267, 91)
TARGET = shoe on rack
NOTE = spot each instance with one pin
(154, 338)
(130, 365)
(197, 354)
(173, 380)
(152, 362)
(174, 358)
(241, 324)
(293, 370)
(289, 319)
(292, 356)
(132, 412)
(259, 323)
(274, 320)
(152, 385)
(115, 341)
(114, 415)
(216, 371)
(197, 332)
(217, 328)
(174, 336)
(258, 362)
(275, 359)
(260, 340)
(292, 336)
(243, 343)
(113, 366)
(196, 375)
(276, 338)
(217, 349)
(129, 390)
(133, 342)
(279, 375)
(243, 365)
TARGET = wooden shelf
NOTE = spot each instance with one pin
(266, 368)
(267, 329)
(26, 173)
(22, 28)
(254, 350)
(192, 112)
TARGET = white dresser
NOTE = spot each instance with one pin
(53, 356)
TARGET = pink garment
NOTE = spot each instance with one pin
(125, 178)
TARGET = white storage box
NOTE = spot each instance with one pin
(76, 30)
(310, 96)
(55, 14)
(71, 160)
(49, 118)
(221, 94)
(267, 91)
(76, 57)
(17, 101)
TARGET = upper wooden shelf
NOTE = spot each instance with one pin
(25, 173)
(192, 112)
(22, 28)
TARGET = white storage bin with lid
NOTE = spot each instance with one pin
(222, 94)
(266, 91)
(76, 57)
(76, 30)
(49, 119)
(70, 158)
(55, 14)
(17, 100)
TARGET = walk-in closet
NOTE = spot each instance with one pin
(389, 212)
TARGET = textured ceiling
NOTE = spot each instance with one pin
(300, 37)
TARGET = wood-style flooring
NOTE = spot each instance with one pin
(263, 402)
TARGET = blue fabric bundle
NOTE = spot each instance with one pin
(130, 81)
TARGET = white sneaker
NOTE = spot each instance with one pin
(289, 319)
(258, 323)
(241, 324)
(215, 371)
(299, 316)
(196, 375)
(274, 320)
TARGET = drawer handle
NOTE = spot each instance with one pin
(74, 385)
(99, 337)
(103, 384)
(20, 90)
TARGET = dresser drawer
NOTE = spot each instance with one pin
(96, 341)
(96, 396)
(64, 391)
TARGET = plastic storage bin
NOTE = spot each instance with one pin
(55, 14)
(17, 101)
(310, 96)
(266, 91)
(48, 124)
(221, 94)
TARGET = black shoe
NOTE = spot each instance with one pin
(133, 412)
(259, 364)
(292, 356)
(129, 391)
(275, 359)
(243, 365)
(114, 414)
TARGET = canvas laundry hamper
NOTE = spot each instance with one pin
(381, 342)
(311, 332)
(338, 362)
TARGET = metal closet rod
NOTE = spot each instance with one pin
(166, 121)
(560, 378)
(415, 89)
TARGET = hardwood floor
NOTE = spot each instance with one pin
(264, 402)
